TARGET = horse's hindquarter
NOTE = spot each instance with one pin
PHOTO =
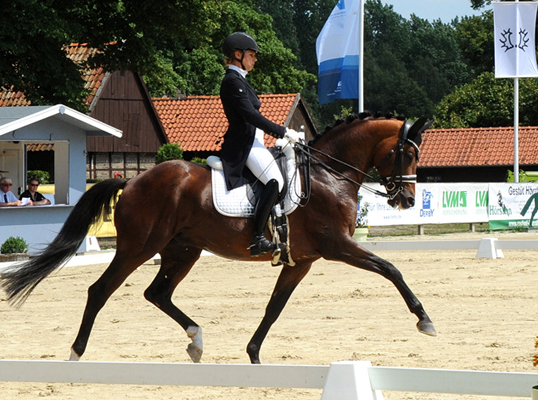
(173, 201)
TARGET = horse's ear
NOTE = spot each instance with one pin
(415, 132)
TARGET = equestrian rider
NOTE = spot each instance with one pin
(243, 144)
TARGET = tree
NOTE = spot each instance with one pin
(475, 39)
(410, 65)
(31, 40)
(486, 102)
(174, 44)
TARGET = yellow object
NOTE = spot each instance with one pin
(103, 228)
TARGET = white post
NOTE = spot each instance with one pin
(516, 129)
(516, 121)
(349, 380)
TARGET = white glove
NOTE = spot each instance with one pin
(292, 135)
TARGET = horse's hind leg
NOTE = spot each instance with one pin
(175, 265)
(98, 293)
(287, 282)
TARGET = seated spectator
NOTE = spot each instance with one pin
(7, 198)
(36, 198)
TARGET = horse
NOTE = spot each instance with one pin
(169, 210)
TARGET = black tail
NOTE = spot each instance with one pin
(20, 280)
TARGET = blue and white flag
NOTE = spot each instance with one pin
(337, 50)
(515, 55)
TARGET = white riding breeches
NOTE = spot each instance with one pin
(262, 163)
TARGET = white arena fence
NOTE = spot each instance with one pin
(346, 380)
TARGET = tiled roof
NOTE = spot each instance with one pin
(40, 147)
(477, 147)
(9, 98)
(198, 123)
(76, 52)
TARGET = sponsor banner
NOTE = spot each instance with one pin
(380, 213)
(513, 205)
(462, 202)
(435, 203)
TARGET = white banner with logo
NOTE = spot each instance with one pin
(514, 25)
(513, 205)
(435, 203)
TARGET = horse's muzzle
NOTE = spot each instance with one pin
(405, 199)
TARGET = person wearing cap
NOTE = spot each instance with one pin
(243, 145)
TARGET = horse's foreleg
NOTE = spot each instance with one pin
(287, 282)
(98, 294)
(361, 258)
(172, 271)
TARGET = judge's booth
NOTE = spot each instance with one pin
(67, 129)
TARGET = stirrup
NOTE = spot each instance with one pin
(260, 245)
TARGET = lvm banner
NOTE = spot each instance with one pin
(435, 203)
(513, 205)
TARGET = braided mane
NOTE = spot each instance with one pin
(353, 117)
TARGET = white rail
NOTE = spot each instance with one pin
(347, 380)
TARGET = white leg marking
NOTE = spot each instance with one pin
(195, 349)
(74, 356)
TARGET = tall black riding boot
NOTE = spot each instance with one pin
(259, 244)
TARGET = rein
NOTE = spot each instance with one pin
(393, 184)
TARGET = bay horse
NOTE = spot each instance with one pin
(169, 210)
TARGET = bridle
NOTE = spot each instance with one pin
(393, 184)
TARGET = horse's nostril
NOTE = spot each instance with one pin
(411, 201)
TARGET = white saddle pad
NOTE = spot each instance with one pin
(235, 202)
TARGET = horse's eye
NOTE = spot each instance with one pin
(410, 155)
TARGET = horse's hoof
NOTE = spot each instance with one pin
(426, 328)
(194, 352)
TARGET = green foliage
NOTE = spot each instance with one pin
(199, 160)
(175, 45)
(32, 35)
(169, 151)
(14, 245)
(43, 177)
(475, 37)
(488, 101)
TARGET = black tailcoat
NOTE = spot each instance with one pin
(241, 106)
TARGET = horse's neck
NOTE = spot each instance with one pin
(357, 149)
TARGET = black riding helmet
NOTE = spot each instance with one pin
(239, 41)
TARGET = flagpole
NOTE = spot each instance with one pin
(361, 57)
(516, 129)
(516, 124)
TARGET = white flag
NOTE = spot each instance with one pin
(337, 50)
(515, 55)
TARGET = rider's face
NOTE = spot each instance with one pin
(249, 59)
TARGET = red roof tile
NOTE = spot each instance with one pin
(198, 123)
(40, 147)
(477, 147)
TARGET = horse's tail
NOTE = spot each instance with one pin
(20, 280)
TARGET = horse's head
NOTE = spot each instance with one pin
(397, 162)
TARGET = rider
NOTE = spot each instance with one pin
(243, 144)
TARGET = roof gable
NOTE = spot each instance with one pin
(19, 118)
(478, 147)
(198, 123)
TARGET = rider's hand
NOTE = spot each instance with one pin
(292, 135)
